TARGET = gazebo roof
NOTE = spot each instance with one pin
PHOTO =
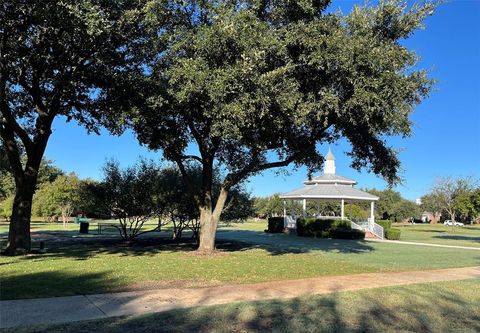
(329, 192)
(329, 178)
(329, 186)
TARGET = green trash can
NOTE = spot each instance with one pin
(84, 227)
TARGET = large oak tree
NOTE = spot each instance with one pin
(57, 58)
(255, 85)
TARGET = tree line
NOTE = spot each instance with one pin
(251, 85)
(132, 195)
(457, 199)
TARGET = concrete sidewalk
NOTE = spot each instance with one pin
(424, 244)
(75, 308)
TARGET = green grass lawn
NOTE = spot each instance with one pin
(441, 234)
(430, 307)
(82, 266)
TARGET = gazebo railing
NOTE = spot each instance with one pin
(377, 230)
(290, 221)
(356, 226)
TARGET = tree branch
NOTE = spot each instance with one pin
(235, 177)
(191, 157)
(187, 181)
(9, 121)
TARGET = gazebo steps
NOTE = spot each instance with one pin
(369, 234)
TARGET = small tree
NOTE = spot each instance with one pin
(446, 192)
(468, 205)
(92, 203)
(129, 196)
(431, 205)
(58, 198)
(356, 211)
(239, 205)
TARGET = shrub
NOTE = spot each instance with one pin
(347, 234)
(386, 224)
(275, 224)
(311, 227)
(393, 233)
(390, 233)
(342, 224)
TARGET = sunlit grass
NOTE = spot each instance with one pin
(468, 235)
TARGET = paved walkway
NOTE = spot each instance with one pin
(75, 308)
(425, 244)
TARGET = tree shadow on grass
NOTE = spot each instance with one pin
(278, 244)
(430, 231)
(49, 284)
(460, 237)
(85, 249)
(154, 244)
(430, 309)
(331, 313)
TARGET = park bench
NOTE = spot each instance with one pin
(103, 225)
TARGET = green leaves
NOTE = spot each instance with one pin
(260, 80)
(63, 195)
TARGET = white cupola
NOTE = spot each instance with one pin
(329, 168)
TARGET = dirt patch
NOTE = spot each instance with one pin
(172, 284)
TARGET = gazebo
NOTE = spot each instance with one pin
(332, 187)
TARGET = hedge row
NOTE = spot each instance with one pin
(386, 224)
(347, 234)
(393, 234)
(327, 228)
(312, 227)
(275, 225)
(318, 228)
(390, 233)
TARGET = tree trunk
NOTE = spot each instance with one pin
(19, 241)
(64, 217)
(208, 223)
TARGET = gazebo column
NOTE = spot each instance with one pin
(285, 213)
(342, 210)
(372, 212)
(304, 207)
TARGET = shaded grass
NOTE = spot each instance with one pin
(430, 307)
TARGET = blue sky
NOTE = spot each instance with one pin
(446, 138)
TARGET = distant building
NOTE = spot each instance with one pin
(428, 217)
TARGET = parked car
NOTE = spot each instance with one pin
(455, 223)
